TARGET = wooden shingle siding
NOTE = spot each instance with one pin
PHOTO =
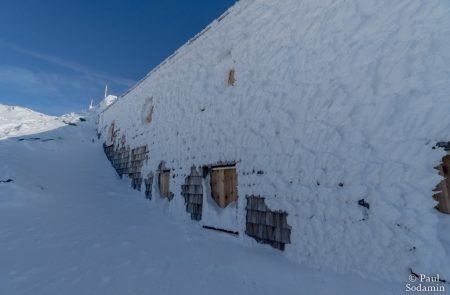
(127, 161)
(192, 191)
(266, 226)
(148, 186)
(112, 133)
(443, 195)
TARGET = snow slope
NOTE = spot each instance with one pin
(69, 225)
(327, 92)
(19, 121)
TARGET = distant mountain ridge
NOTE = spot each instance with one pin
(19, 121)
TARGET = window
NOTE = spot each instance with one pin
(164, 182)
(224, 185)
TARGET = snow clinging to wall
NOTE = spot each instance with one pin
(335, 102)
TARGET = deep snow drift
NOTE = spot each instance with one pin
(68, 225)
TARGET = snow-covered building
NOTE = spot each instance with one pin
(312, 126)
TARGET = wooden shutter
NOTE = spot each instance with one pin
(443, 187)
(164, 180)
(224, 185)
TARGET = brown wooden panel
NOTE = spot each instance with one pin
(443, 196)
(224, 186)
(231, 77)
(444, 203)
(217, 187)
(230, 185)
(164, 180)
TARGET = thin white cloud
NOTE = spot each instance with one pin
(42, 83)
(73, 66)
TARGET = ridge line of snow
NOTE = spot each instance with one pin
(21, 121)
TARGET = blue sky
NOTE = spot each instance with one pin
(57, 55)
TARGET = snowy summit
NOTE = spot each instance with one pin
(18, 121)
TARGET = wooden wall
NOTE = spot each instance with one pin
(127, 161)
(224, 185)
(192, 191)
(442, 189)
(267, 226)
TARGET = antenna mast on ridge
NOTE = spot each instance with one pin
(106, 90)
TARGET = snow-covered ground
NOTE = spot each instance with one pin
(69, 225)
